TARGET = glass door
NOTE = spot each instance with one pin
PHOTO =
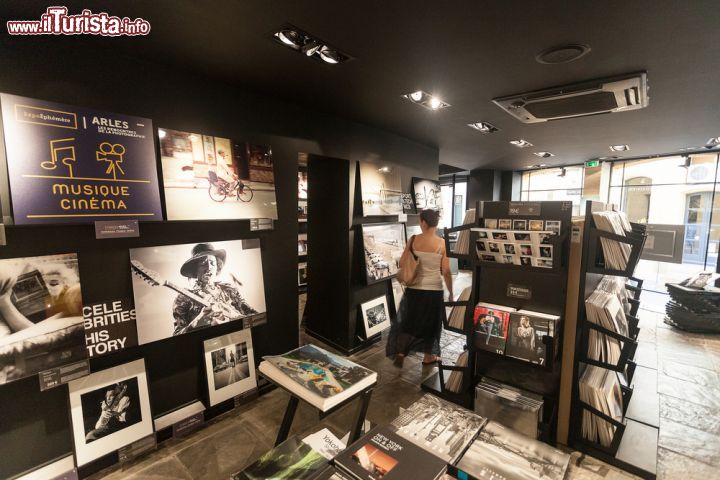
(697, 213)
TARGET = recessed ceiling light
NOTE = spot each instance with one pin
(161, 133)
(521, 143)
(562, 54)
(538, 165)
(309, 45)
(543, 154)
(619, 148)
(483, 127)
(712, 142)
(611, 157)
(426, 100)
(384, 169)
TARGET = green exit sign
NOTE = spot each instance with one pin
(592, 163)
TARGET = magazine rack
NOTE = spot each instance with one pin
(356, 430)
(490, 283)
(634, 442)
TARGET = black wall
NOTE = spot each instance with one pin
(34, 426)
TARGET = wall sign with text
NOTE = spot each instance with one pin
(69, 164)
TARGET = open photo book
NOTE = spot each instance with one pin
(321, 378)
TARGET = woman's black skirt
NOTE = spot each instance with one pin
(418, 325)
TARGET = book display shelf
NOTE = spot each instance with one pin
(634, 440)
(528, 287)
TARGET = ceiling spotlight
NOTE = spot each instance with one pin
(543, 154)
(611, 157)
(562, 173)
(309, 45)
(619, 148)
(161, 133)
(329, 55)
(290, 37)
(426, 100)
(384, 169)
(484, 127)
(521, 143)
(712, 142)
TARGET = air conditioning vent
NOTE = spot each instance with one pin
(616, 94)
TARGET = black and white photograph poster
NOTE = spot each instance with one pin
(109, 409)
(383, 244)
(207, 178)
(381, 190)
(41, 322)
(427, 194)
(230, 365)
(183, 288)
(375, 315)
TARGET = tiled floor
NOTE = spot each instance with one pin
(688, 382)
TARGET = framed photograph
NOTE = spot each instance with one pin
(302, 244)
(375, 315)
(500, 235)
(536, 225)
(213, 178)
(543, 262)
(183, 288)
(383, 244)
(481, 246)
(491, 223)
(505, 224)
(381, 190)
(507, 259)
(427, 194)
(302, 185)
(526, 261)
(522, 236)
(546, 251)
(520, 225)
(483, 234)
(302, 274)
(493, 247)
(230, 366)
(509, 248)
(41, 315)
(109, 409)
(526, 249)
(541, 238)
(488, 258)
(553, 226)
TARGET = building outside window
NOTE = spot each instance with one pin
(453, 189)
(558, 184)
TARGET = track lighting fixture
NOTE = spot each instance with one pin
(309, 45)
(424, 99)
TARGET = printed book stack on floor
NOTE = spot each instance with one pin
(500, 453)
(383, 454)
(441, 428)
(510, 406)
(321, 378)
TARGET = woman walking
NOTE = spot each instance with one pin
(421, 313)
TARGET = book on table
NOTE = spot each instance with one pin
(321, 378)
(292, 459)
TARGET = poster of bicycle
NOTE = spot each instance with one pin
(381, 190)
(215, 178)
(427, 194)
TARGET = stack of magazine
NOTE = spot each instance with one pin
(510, 406)
(321, 378)
(600, 388)
(526, 335)
(456, 319)
(617, 254)
(604, 307)
(500, 453)
(462, 244)
(455, 379)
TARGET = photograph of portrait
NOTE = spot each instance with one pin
(553, 226)
(381, 190)
(505, 224)
(500, 235)
(210, 178)
(109, 409)
(526, 249)
(482, 234)
(536, 225)
(383, 244)
(41, 318)
(481, 246)
(427, 194)
(302, 274)
(302, 185)
(525, 337)
(488, 258)
(493, 247)
(182, 288)
(509, 248)
(543, 262)
(526, 261)
(302, 244)
(229, 365)
(491, 223)
(546, 251)
(541, 238)
(508, 259)
(375, 315)
(491, 327)
(519, 224)
(521, 236)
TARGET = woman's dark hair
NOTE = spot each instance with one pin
(431, 217)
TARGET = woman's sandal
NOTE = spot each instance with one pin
(399, 360)
(432, 362)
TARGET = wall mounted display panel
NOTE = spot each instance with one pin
(41, 323)
(215, 178)
(182, 288)
(70, 164)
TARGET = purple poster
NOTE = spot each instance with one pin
(69, 164)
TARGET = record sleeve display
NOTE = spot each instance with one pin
(321, 378)
(71, 164)
(109, 409)
(182, 288)
(213, 178)
(440, 427)
(525, 335)
(427, 194)
(617, 254)
(41, 323)
(230, 365)
(462, 244)
(292, 459)
(381, 190)
(456, 319)
(600, 388)
(501, 453)
(384, 244)
(510, 406)
(109, 327)
(455, 379)
(383, 454)
(491, 326)
(375, 315)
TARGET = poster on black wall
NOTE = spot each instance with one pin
(109, 327)
(69, 164)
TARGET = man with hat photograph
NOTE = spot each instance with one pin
(225, 302)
